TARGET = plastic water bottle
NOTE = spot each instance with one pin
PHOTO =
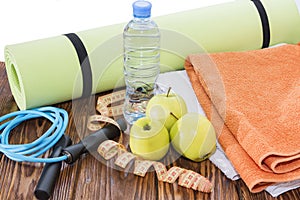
(141, 40)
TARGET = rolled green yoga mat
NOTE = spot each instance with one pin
(48, 71)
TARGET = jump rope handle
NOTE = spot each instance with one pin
(91, 142)
(51, 171)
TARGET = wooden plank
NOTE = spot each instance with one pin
(93, 178)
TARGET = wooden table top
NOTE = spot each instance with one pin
(89, 178)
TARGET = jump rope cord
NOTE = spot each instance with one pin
(30, 152)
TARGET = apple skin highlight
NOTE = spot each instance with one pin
(194, 137)
(149, 139)
(167, 108)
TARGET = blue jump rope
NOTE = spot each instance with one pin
(30, 152)
(54, 138)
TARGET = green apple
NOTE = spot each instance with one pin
(193, 136)
(167, 108)
(149, 139)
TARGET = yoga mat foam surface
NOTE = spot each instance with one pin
(47, 71)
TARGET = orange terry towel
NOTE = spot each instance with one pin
(253, 100)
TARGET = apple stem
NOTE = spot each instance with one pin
(147, 127)
(169, 90)
(174, 115)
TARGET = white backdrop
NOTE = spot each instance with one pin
(26, 20)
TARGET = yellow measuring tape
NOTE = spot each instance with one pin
(106, 108)
(109, 149)
(186, 178)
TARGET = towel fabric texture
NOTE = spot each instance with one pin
(183, 87)
(253, 100)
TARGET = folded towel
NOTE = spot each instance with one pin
(253, 100)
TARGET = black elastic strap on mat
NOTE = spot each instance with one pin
(264, 22)
(84, 64)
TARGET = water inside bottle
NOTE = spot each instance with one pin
(137, 99)
(141, 67)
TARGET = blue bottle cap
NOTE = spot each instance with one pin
(142, 9)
